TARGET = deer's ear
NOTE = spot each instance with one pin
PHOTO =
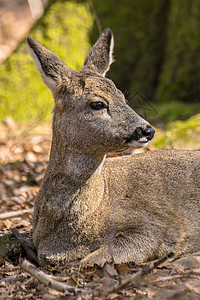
(49, 65)
(100, 56)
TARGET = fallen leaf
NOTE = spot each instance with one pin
(109, 270)
(193, 285)
(187, 263)
(123, 269)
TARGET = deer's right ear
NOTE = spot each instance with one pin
(100, 56)
(49, 65)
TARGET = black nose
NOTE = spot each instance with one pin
(141, 133)
(148, 133)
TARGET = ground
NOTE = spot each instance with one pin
(23, 158)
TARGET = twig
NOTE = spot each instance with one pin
(89, 294)
(9, 243)
(140, 274)
(58, 278)
(168, 278)
(95, 16)
(30, 254)
(9, 234)
(47, 280)
(13, 214)
(63, 279)
(81, 285)
(13, 278)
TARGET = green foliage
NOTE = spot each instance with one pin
(138, 29)
(64, 30)
(172, 110)
(181, 134)
(180, 76)
(4, 241)
(157, 55)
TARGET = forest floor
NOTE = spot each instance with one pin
(23, 159)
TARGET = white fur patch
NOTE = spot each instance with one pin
(111, 59)
(50, 83)
(99, 169)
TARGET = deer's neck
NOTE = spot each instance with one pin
(74, 175)
(79, 168)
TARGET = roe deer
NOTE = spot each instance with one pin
(129, 208)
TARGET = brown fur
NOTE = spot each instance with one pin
(131, 208)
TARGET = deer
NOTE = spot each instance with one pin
(96, 209)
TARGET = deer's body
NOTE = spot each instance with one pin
(130, 208)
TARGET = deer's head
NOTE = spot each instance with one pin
(90, 114)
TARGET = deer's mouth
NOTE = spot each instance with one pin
(132, 143)
(135, 138)
(140, 137)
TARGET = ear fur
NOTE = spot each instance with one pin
(49, 65)
(100, 56)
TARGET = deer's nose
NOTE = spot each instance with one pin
(148, 133)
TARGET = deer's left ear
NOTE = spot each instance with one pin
(100, 56)
(50, 66)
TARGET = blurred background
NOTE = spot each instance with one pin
(157, 53)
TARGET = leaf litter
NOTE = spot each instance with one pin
(23, 160)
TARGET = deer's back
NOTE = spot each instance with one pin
(155, 186)
(170, 175)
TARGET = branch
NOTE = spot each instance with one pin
(13, 278)
(9, 244)
(95, 16)
(89, 294)
(30, 254)
(13, 214)
(47, 280)
(9, 234)
(140, 274)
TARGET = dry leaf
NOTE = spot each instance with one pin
(123, 269)
(187, 263)
(194, 285)
(109, 270)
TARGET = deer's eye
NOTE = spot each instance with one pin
(97, 105)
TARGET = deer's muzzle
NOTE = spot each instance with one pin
(140, 134)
